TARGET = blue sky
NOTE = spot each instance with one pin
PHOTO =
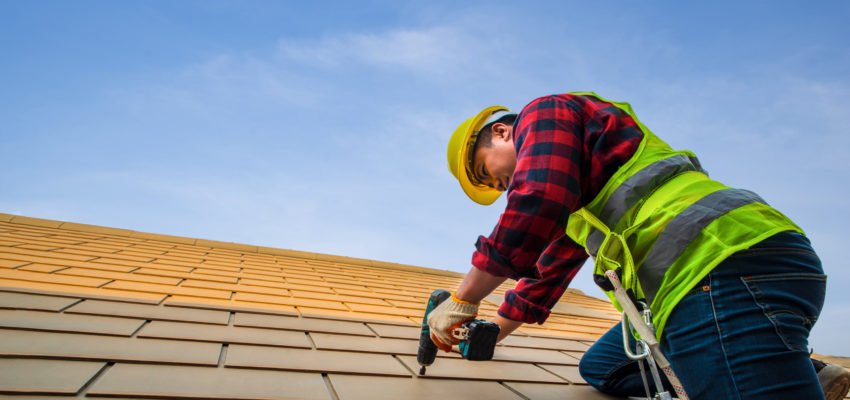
(322, 126)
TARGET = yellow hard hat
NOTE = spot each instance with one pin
(461, 144)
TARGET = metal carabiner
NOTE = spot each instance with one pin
(640, 343)
(645, 354)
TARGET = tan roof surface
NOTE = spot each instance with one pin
(91, 311)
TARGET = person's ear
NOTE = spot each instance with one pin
(500, 130)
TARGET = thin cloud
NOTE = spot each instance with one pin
(222, 85)
(436, 50)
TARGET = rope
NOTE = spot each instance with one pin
(647, 334)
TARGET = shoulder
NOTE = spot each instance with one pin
(566, 105)
(557, 118)
(544, 111)
(554, 101)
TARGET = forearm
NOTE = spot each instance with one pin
(477, 285)
(507, 326)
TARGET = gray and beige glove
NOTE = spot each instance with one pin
(448, 316)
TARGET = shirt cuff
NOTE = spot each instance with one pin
(518, 309)
(486, 258)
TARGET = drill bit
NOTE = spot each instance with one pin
(422, 370)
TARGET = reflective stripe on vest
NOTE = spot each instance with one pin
(683, 229)
(635, 188)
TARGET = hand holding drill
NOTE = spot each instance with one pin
(448, 318)
(449, 321)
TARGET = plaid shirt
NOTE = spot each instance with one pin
(568, 146)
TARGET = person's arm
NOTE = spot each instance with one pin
(507, 326)
(477, 284)
(543, 191)
(532, 299)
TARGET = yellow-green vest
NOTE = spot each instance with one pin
(665, 225)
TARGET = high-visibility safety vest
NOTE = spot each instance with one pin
(663, 225)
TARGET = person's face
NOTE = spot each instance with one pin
(494, 166)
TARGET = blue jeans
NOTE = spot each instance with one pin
(741, 333)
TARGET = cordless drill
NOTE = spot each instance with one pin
(479, 336)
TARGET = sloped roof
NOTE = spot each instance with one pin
(90, 311)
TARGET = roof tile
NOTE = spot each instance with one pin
(46, 376)
(230, 305)
(551, 343)
(224, 334)
(568, 372)
(98, 265)
(19, 275)
(491, 370)
(35, 302)
(31, 344)
(50, 321)
(151, 312)
(538, 391)
(366, 317)
(44, 268)
(314, 360)
(396, 331)
(327, 341)
(205, 383)
(341, 298)
(290, 301)
(123, 276)
(351, 387)
(168, 289)
(35, 221)
(365, 308)
(19, 252)
(529, 355)
(302, 324)
(50, 288)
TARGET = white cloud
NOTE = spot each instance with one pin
(438, 50)
(223, 85)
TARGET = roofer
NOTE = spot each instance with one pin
(734, 286)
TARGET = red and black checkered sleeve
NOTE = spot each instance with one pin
(567, 148)
(533, 298)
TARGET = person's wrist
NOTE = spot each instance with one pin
(459, 299)
(467, 294)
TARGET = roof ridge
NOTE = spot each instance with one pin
(246, 248)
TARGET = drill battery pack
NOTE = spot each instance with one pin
(480, 341)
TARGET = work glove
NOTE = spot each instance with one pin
(448, 316)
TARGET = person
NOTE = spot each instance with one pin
(734, 287)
